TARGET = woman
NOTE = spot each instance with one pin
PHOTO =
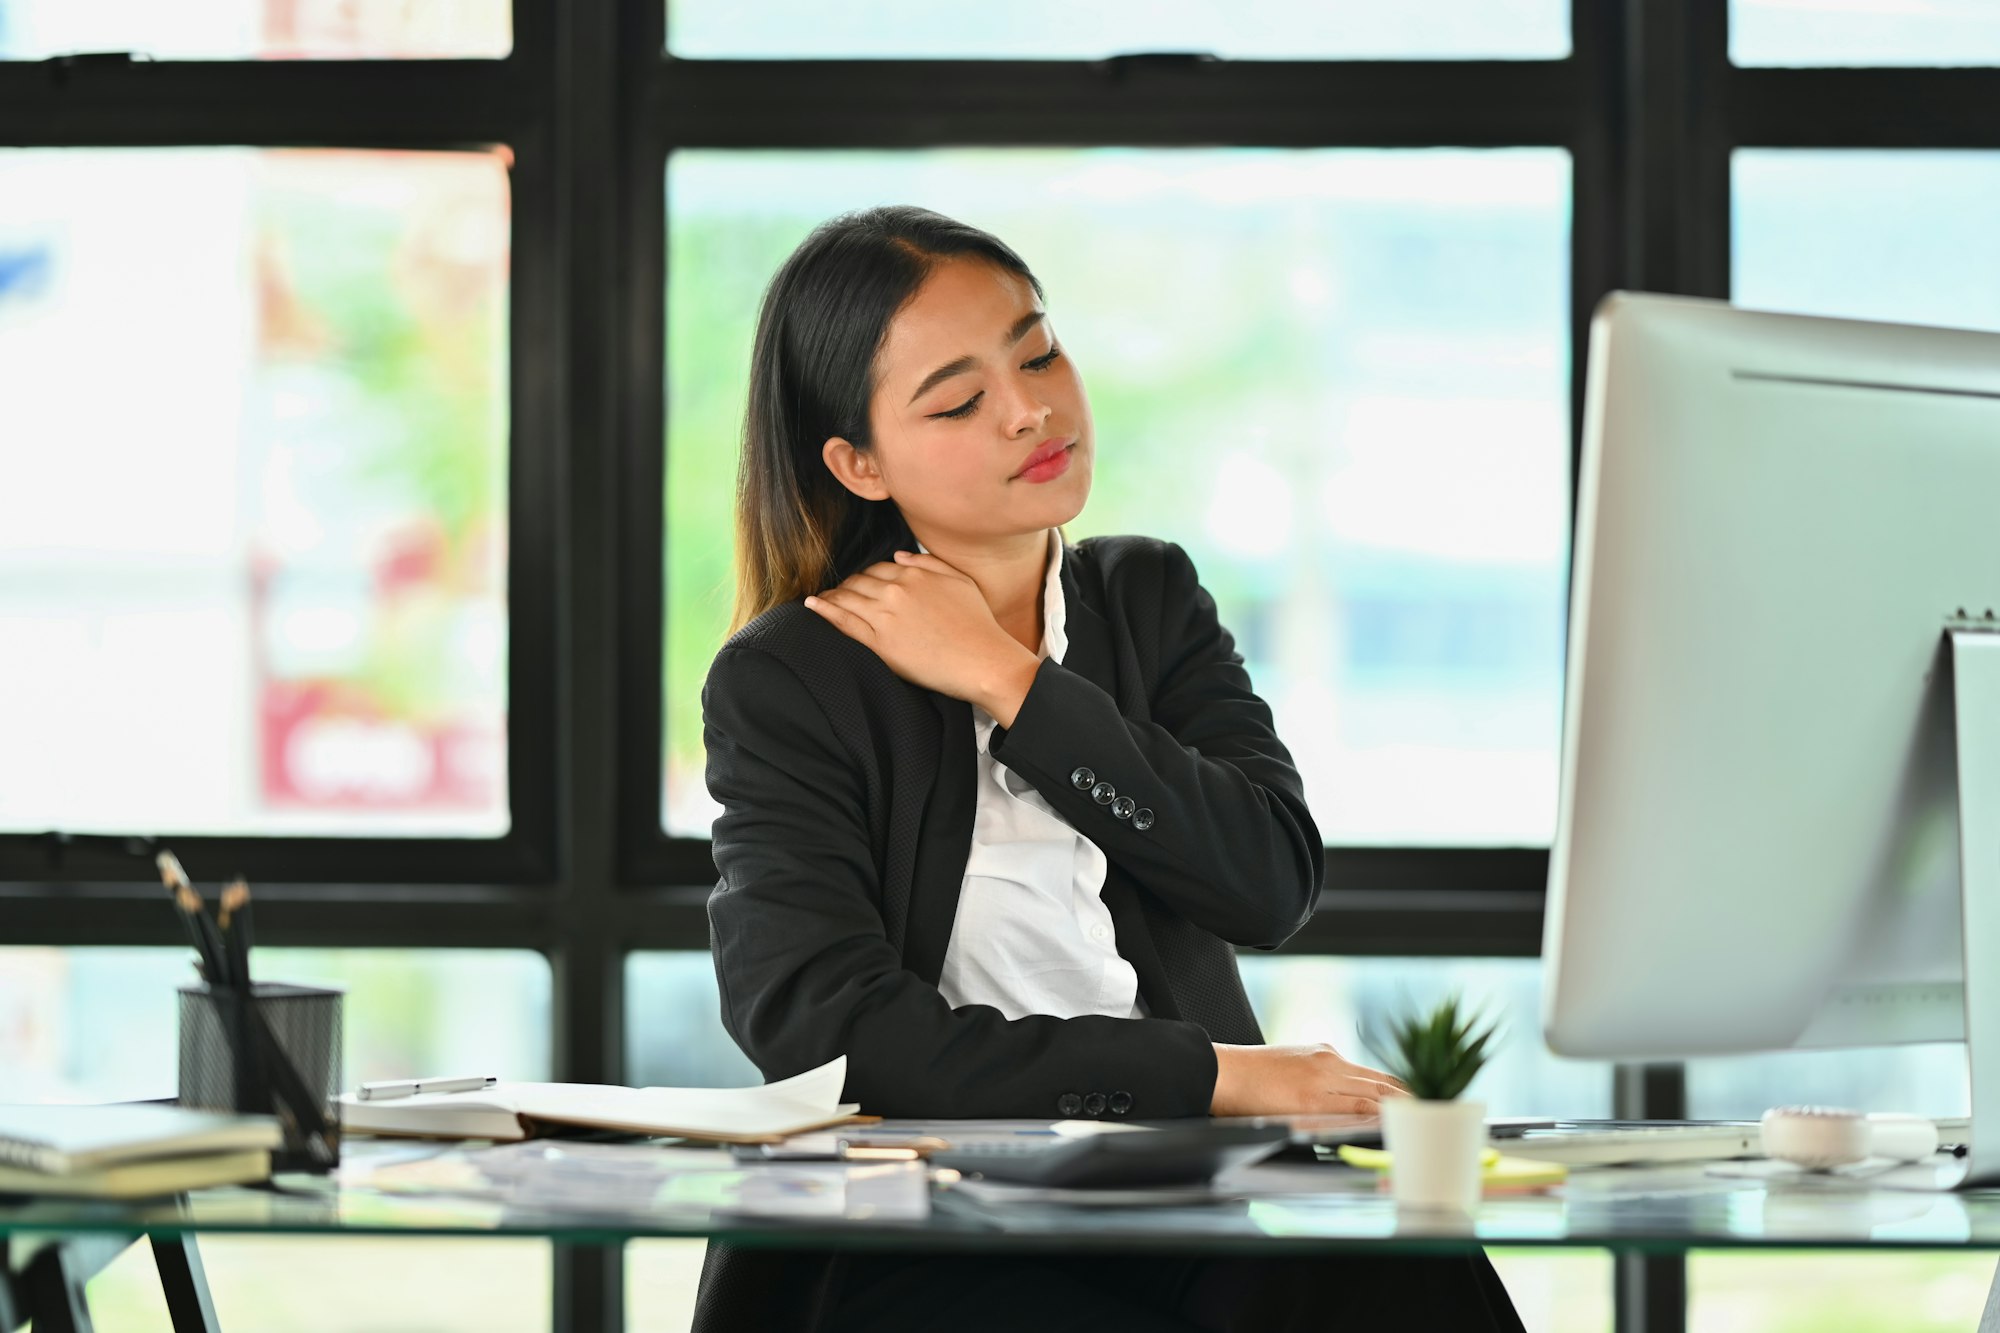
(996, 809)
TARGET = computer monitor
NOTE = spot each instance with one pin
(1783, 691)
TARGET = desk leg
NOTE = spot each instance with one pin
(184, 1283)
(1651, 1293)
(51, 1286)
(12, 1315)
(589, 1287)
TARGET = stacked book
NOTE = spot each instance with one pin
(130, 1150)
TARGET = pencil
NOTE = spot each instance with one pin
(235, 921)
(175, 878)
(194, 918)
(171, 873)
(201, 928)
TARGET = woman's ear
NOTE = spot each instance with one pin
(854, 469)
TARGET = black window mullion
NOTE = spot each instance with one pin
(1166, 101)
(371, 103)
(27, 858)
(539, 404)
(1676, 178)
(397, 915)
(1864, 108)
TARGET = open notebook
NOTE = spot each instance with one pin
(521, 1110)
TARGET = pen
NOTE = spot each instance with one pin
(389, 1089)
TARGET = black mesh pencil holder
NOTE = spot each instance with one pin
(278, 1054)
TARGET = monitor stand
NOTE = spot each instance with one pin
(1975, 668)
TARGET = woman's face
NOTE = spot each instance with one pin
(980, 423)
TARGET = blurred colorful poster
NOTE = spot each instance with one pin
(253, 491)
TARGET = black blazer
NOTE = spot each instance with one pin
(847, 808)
(847, 812)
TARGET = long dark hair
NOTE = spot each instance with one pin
(812, 373)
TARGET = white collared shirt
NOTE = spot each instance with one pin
(1033, 935)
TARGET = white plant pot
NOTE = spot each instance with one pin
(1434, 1151)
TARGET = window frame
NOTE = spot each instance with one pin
(418, 104)
(1647, 104)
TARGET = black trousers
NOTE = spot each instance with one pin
(1112, 1294)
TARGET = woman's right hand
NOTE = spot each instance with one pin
(1296, 1080)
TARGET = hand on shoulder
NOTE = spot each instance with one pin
(930, 624)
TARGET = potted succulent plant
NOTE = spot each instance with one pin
(1434, 1140)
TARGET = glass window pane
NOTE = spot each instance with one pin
(1853, 1292)
(1928, 1079)
(660, 1281)
(673, 1025)
(253, 491)
(1870, 32)
(1302, 998)
(1557, 1291)
(99, 1024)
(1049, 30)
(1894, 235)
(263, 29)
(1339, 378)
(293, 1284)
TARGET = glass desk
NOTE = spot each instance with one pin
(606, 1194)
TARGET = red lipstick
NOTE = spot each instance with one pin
(1049, 461)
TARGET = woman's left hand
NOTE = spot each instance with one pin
(931, 625)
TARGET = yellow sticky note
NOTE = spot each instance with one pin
(1374, 1159)
(1495, 1171)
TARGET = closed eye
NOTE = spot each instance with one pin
(970, 405)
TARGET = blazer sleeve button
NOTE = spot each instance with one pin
(1094, 1104)
(1142, 819)
(1121, 1102)
(1123, 807)
(1069, 1104)
(1082, 778)
(1102, 793)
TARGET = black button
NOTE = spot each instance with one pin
(1069, 1103)
(1121, 1102)
(1142, 820)
(1094, 1104)
(1082, 778)
(1123, 807)
(1102, 793)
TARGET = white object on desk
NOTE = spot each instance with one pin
(1901, 1138)
(509, 1111)
(389, 1089)
(1083, 1129)
(1621, 1145)
(1437, 1147)
(1815, 1137)
(1820, 1138)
